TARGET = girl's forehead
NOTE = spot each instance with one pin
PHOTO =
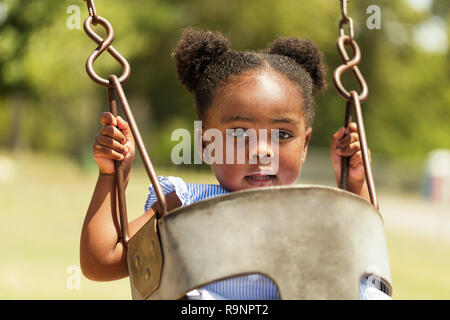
(258, 95)
(264, 79)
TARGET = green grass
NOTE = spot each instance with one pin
(43, 209)
(419, 268)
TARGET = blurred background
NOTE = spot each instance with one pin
(49, 111)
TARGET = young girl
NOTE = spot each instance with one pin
(273, 90)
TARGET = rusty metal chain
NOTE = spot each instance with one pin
(353, 98)
(114, 87)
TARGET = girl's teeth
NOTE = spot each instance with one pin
(260, 180)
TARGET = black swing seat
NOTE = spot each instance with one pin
(314, 242)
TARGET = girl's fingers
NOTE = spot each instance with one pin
(345, 136)
(107, 119)
(356, 160)
(104, 152)
(113, 133)
(351, 128)
(122, 124)
(349, 150)
(339, 134)
(334, 140)
(348, 139)
(124, 128)
(111, 143)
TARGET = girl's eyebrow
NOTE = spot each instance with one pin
(250, 119)
(285, 120)
(236, 118)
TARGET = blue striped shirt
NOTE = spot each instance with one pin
(247, 287)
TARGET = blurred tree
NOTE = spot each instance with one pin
(21, 19)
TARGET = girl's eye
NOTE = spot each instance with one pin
(282, 135)
(238, 133)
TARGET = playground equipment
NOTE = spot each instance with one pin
(314, 242)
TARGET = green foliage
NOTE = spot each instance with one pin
(48, 103)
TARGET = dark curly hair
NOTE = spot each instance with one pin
(205, 62)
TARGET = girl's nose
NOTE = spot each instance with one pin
(262, 152)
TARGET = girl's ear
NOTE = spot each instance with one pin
(305, 146)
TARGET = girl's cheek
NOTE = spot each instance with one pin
(289, 167)
(228, 175)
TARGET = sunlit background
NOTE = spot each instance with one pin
(49, 112)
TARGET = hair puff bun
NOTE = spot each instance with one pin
(195, 51)
(306, 54)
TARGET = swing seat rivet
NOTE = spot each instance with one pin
(153, 248)
(147, 274)
(137, 261)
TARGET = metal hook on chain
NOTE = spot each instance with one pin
(102, 46)
(351, 64)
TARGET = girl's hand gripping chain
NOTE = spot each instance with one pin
(345, 143)
(114, 141)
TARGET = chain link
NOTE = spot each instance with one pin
(346, 20)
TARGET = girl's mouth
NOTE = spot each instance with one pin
(260, 180)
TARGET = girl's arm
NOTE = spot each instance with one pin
(102, 254)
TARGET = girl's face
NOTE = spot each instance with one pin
(259, 100)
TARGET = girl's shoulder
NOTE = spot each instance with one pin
(187, 192)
